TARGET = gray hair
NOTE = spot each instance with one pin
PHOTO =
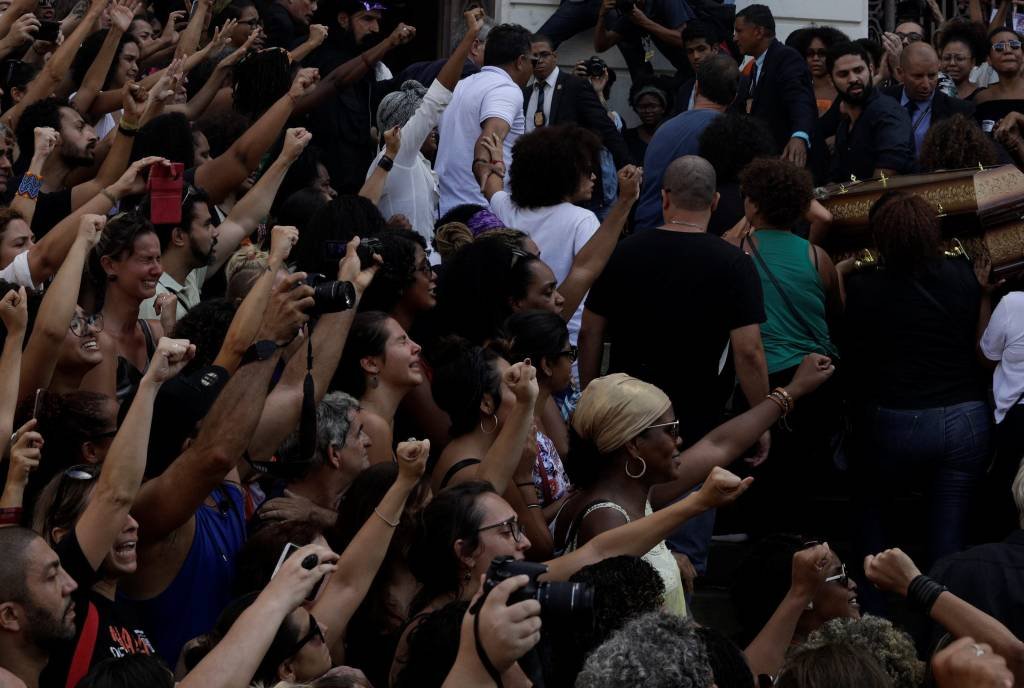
(656, 650)
(332, 426)
(460, 31)
(892, 647)
(1018, 492)
(690, 182)
(397, 108)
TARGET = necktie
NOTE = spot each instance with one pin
(911, 109)
(539, 120)
(753, 80)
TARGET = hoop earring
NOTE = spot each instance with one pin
(494, 417)
(643, 468)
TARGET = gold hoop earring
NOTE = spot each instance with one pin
(643, 468)
(485, 431)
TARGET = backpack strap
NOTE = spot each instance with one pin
(84, 649)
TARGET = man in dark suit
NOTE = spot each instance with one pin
(778, 87)
(918, 71)
(558, 97)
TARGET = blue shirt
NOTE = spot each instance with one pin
(675, 138)
(920, 119)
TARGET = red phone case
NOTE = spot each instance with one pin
(165, 187)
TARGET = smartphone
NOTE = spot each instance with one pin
(289, 550)
(38, 403)
(48, 31)
(165, 187)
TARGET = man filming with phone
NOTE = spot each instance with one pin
(640, 26)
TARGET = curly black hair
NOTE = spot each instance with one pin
(398, 250)
(168, 135)
(549, 162)
(800, 40)
(463, 374)
(732, 141)
(782, 191)
(971, 34)
(206, 325)
(261, 78)
(320, 248)
(956, 143)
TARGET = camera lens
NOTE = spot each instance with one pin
(566, 599)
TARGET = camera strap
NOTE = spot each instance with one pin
(489, 667)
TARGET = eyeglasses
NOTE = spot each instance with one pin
(910, 37)
(511, 527)
(816, 53)
(80, 325)
(572, 353)
(313, 632)
(1003, 46)
(841, 577)
(671, 428)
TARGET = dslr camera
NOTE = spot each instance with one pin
(330, 296)
(557, 599)
(595, 66)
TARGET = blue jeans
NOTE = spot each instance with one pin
(942, 452)
(569, 19)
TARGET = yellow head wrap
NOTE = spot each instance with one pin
(616, 408)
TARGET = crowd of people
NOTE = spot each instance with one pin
(315, 375)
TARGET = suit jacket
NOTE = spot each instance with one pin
(784, 96)
(943, 106)
(573, 101)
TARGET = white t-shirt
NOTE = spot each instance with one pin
(1003, 341)
(560, 231)
(477, 98)
(19, 273)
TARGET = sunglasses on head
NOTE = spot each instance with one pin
(81, 473)
(1003, 46)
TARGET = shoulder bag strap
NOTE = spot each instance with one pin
(82, 658)
(785, 299)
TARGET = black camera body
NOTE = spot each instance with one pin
(625, 7)
(330, 296)
(557, 599)
(595, 66)
(365, 250)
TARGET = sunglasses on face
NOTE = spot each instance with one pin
(1003, 46)
(842, 578)
(510, 527)
(313, 632)
(671, 428)
(80, 325)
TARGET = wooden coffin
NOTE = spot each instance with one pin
(981, 208)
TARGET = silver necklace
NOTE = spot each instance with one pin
(683, 223)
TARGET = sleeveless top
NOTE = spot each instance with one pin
(786, 340)
(660, 558)
(203, 584)
(128, 376)
(548, 472)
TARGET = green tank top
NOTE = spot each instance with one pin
(786, 341)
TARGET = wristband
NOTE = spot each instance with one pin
(126, 125)
(923, 592)
(385, 163)
(381, 517)
(130, 133)
(10, 516)
(30, 186)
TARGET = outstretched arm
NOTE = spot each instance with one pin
(14, 314)
(57, 309)
(222, 175)
(121, 14)
(362, 558)
(118, 482)
(168, 502)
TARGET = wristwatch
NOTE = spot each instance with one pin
(260, 351)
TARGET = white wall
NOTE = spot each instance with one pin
(850, 16)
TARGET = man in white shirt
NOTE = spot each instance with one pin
(490, 102)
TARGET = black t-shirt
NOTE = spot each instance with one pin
(671, 299)
(906, 352)
(51, 208)
(117, 631)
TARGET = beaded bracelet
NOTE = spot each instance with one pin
(30, 186)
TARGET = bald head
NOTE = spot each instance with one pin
(919, 71)
(690, 183)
